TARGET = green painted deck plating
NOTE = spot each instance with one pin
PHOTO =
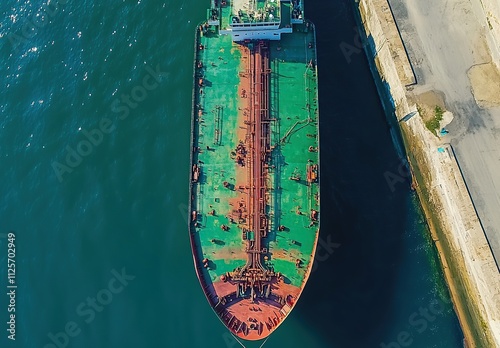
(217, 129)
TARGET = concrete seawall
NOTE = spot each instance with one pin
(468, 263)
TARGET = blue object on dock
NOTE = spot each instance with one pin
(408, 116)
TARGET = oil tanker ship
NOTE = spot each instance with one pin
(254, 188)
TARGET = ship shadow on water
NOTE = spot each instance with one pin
(350, 293)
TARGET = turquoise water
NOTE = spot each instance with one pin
(109, 225)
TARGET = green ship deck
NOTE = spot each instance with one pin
(254, 201)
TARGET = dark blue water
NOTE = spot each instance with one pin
(102, 250)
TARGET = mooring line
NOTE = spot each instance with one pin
(237, 340)
(262, 345)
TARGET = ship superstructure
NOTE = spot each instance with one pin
(254, 191)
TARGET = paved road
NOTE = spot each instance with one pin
(445, 39)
